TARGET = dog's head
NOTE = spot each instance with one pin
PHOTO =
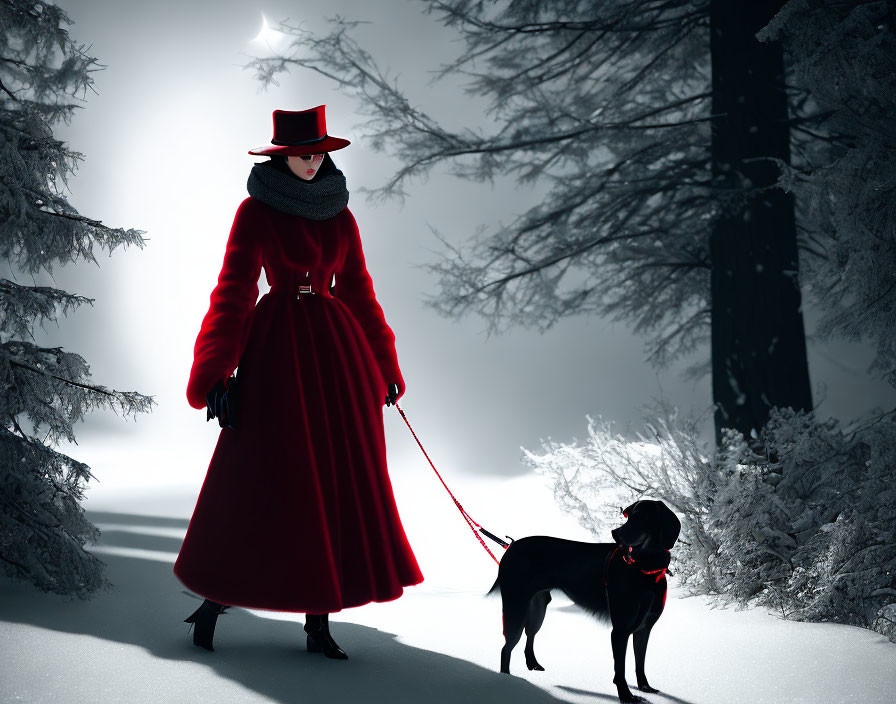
(650, 526)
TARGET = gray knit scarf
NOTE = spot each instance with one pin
(319, 199)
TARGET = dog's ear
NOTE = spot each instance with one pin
(668, 527)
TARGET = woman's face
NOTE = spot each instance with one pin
(305, 166)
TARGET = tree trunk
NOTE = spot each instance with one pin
(758, 340)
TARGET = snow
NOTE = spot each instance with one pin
(439, 643)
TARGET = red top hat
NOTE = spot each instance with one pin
(301, 132)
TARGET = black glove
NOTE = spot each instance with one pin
(392, 396)
(217, 403)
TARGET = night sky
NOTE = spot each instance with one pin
(165, 142)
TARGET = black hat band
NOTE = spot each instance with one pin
(281, 143)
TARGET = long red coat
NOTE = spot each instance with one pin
(297, 512)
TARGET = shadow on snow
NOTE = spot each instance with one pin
(147, 606)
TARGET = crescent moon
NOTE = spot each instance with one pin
(268, 35)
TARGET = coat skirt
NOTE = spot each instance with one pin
(297, 512)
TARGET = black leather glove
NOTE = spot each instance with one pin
(392, 395)
(217, 405)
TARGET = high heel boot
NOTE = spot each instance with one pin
(204, 618)
(319, 639)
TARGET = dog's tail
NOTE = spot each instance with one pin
(494, 586)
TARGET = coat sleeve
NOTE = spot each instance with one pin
(355, 288)
(224, 329)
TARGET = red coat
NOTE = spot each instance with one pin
(296, 512)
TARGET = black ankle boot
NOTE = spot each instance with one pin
(319, 638)
(204, 618)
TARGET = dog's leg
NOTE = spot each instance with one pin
(537, 607)
(639, 643)
(619, 640)
(514, 620)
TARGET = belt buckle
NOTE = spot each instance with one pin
(303, 288)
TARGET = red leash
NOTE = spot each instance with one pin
(470, 521)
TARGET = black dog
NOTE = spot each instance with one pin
(624, 584)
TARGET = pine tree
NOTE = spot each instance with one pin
(843, 54)
(662, 129)
(44, 391)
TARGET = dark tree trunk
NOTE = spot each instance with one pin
(758, 341)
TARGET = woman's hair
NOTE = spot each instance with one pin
(279, 162)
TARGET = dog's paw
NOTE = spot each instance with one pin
(534, 666)
(647, 688)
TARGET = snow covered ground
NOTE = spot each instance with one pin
(438, 644)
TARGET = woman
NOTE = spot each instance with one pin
(296, 512)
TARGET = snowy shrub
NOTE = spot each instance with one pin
(592, 481)
(802, 520)
(831, 541)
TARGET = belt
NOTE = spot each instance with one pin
(302, 291)
(298, 291)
